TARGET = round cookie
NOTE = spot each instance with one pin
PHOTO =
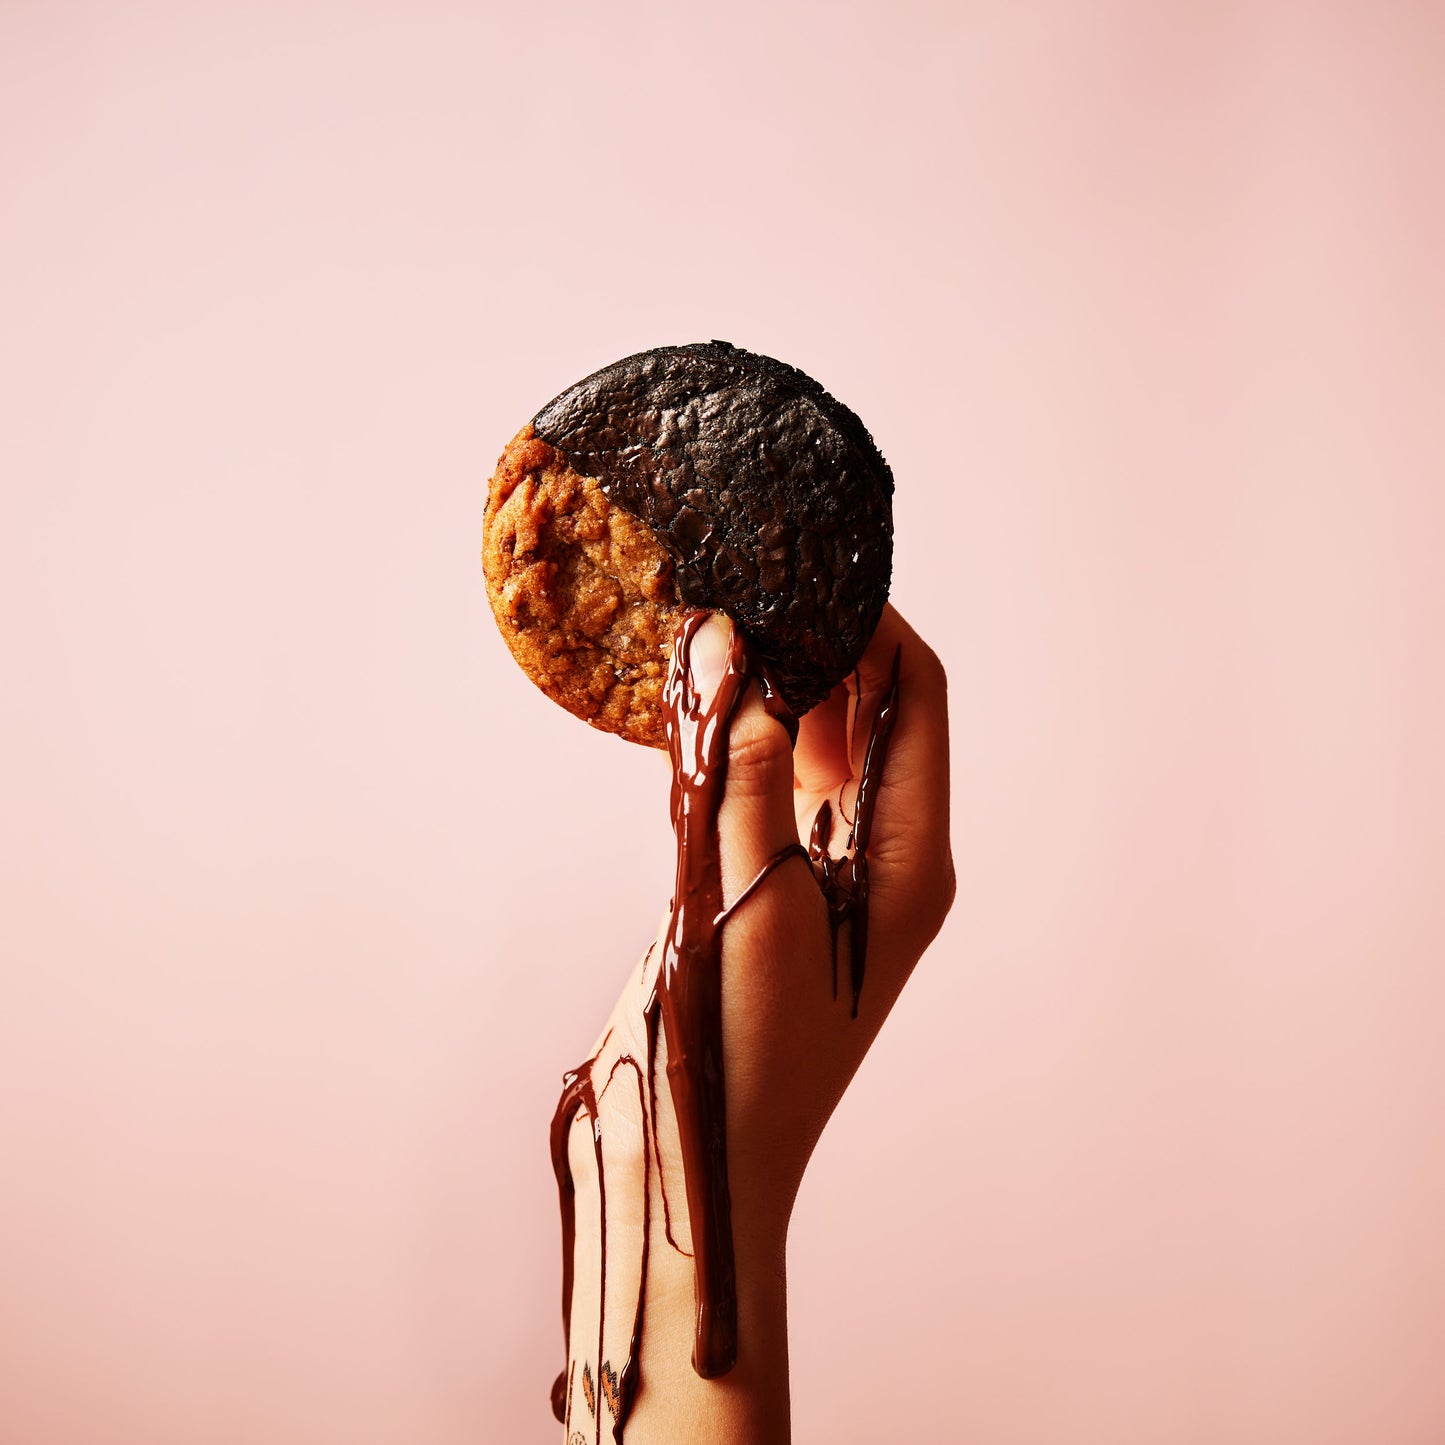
(687, 477)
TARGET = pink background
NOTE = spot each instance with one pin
(308, 897)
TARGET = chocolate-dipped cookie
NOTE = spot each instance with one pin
(687, 477)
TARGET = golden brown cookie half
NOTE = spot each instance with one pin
(583, 592)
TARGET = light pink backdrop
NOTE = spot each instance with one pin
(308, 898)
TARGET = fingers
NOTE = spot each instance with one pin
(909, 850)
(756, 821)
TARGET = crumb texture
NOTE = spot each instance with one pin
(584, 592)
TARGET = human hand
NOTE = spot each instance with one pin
(793, 1032)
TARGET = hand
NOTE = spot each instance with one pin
(791, 1043)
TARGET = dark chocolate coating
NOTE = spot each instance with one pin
(769, 493)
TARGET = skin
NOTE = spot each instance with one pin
(790, 1049)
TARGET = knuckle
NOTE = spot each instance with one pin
(758, 754)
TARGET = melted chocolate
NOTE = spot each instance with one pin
(793, 850)
(577, 1097)
(844, 880)
(687, 1004)
(689, 988)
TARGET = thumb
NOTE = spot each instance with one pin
(756, 822)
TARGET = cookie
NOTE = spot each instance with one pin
(687, 477)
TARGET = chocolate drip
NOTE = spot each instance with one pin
(577, 1097)
(774, 704)
(687, 1004)
(844, 880)
(825, 870)
(793, 850)
(689, 988)
(653, 1018)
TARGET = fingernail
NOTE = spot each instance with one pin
(707, 657)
